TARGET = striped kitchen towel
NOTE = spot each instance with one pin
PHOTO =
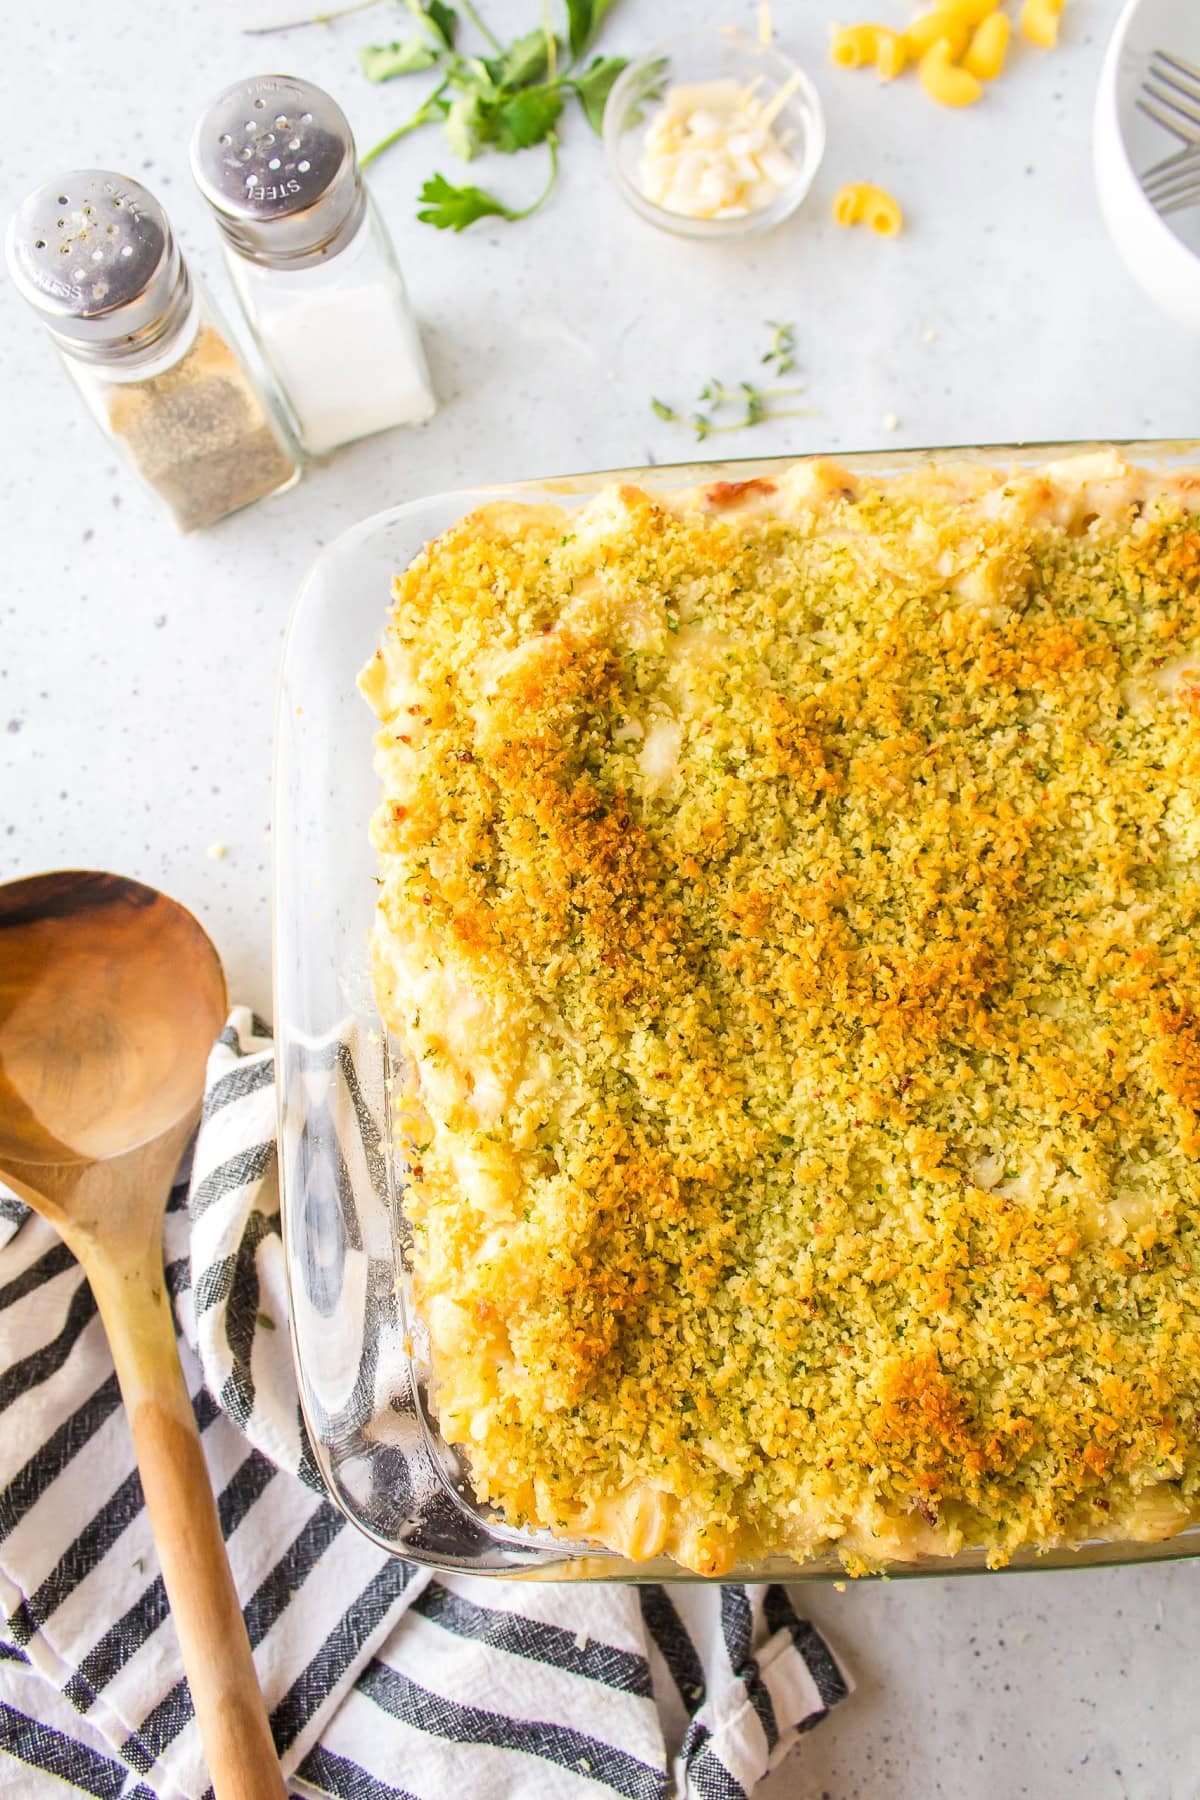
(382, 1679)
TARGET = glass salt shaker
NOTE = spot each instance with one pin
(94, 254)
(311, 261)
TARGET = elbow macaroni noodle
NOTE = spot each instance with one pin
(860, 202)
(854, 46)
(1039, 22)
(859, 46)
(936, 28)
(970, 12)
(944, 81)
(891, 53)
(988, 47)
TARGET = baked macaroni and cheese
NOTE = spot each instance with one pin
(790, 906)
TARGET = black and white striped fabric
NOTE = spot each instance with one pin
(382, 1679)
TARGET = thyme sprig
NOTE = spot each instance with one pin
(751, 400)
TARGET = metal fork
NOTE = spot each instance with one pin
(1176, 184)
(1170, 95)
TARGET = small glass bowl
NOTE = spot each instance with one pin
(713, 55)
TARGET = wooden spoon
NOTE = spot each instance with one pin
(110, 998)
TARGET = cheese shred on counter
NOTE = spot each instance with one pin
(790, 906)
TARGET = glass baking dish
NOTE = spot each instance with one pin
(359, 1349)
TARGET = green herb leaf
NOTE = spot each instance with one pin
(471, 122)
(665, 412)
(783, 346)
(526, 60)
(579, 24)
(440, 21)
(451, 208)
(583, 21)
(528, 118)
(714, 392)
(593, 87)
(445, 22)
(510, 99)
(473, 75)
(380, 62)
(756, 405)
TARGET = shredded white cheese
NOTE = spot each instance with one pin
(712, 150)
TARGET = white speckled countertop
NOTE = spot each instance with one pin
(137, 668)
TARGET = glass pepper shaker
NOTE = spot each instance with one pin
(94, 254)
(310, 260)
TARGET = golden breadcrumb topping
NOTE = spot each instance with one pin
(790, 897)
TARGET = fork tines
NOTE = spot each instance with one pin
(1187, 72)
(1170, 95)
(1181, 199)
(1171, 181)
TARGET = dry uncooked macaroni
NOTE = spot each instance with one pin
(891, 53)
(988, 47)
(860, 202)
(937, 28)
(944, 81)
(856, 45)
(1039, 22)
(790, 908)
(970, 12)
(957, 46)
(853, 46)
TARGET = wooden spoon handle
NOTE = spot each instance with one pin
(232, 1716)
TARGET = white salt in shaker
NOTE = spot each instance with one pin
(311, 261)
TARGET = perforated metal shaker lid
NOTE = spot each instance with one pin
(94, 254)
(274, 157)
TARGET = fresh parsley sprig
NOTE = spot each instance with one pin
(753, 401)
(509, 99)
(453, 208)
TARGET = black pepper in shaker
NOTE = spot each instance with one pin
(93, 253)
